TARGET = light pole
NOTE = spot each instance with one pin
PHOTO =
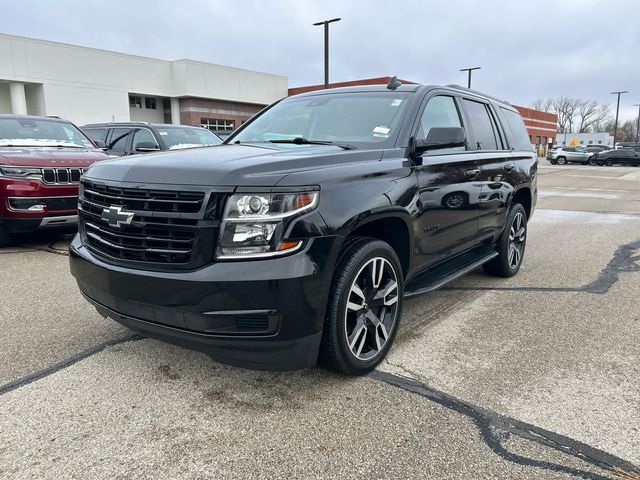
(615, 126)
(637, 122)
(326, 47)
(469, 77)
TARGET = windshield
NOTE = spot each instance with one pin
(363, 119)
(28, 132)
(184, 137)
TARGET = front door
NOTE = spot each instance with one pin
(449, 189)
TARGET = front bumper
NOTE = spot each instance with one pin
(59, 204)
(263, 314)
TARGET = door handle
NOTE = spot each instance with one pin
(472, 173)
(508, 167)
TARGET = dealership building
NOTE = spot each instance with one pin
(87, 85)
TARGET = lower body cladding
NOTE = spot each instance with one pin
(260, 314)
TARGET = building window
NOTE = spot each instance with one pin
(150, 103)
(135, 101)
(217, 124)
(599, 142)
(581, 142)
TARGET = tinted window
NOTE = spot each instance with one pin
(519, 138)
(118, 140)
(441, 111)
(38, 132)
(484, 137)
(97, 133)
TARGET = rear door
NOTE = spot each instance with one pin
(446, 216)
(498, 170)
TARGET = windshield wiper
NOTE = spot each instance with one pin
(304, 141)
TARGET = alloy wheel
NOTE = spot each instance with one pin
(455, 201)
(372, 309)
(517, 237)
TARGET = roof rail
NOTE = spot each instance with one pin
(459, 87)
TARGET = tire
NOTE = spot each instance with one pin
(608, 163)
(585, 163)
(355, 339)
(5, 236)
(561, 160)
(455, 200)
(508, 261)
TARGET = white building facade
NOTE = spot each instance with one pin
(585, 139)
(86, 85)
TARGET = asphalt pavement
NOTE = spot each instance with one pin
(533, 377)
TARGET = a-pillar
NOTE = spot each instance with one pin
(18, 98)
(175, 111)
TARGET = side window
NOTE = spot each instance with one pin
(441, 111)
(97, 133)
(520, 139)
(144, 136)
(118, 140)
(484, 136)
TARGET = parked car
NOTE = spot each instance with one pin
(596, 148)
(631, 145)
(41, 161)
(298, 238)
(623, 156)
(130, 138)
(563, 155)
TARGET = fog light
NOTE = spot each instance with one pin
(27, 204)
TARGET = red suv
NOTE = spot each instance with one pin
(41, 161)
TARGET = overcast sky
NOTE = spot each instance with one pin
(527, 49)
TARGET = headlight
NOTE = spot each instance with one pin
(253, 223)
(21, 172)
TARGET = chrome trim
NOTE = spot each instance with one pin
(277, 253)
(57, 221)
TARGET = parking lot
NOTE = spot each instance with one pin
(535, 377)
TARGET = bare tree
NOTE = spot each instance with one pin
(586, 112)
(603, 115)
(565, 108)
(543, 105)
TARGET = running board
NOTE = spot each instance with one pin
(440, 275)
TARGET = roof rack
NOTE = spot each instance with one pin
(470, 90)
(126, 123)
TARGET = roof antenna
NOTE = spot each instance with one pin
(394, 83)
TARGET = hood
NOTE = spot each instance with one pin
(226, 165)
(50, 156)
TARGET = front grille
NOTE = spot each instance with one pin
(176, 228)
(62, 175)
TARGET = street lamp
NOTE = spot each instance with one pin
(637, 122)
(326, 47)
(615, 126)
(469, 70)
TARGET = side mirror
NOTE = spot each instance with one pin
(146, 147)
(441, 137)
(100, 144)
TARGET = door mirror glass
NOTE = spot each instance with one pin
(146, 147)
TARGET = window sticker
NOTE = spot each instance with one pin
(396, 102)
(164, 133)
(382, 130)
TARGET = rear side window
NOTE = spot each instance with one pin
(484, 136)
(96, 133)
(515, 125)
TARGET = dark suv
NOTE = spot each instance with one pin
(299, 237)
(130, 138)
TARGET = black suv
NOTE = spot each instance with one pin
(300, 236)
(130, 138)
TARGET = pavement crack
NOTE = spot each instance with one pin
(73, 359)
(496, 428)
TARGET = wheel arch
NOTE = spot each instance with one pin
(393, 226)
(524, 197)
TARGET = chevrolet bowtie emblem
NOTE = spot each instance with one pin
(115, 216)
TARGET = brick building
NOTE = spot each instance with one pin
(540, 125)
